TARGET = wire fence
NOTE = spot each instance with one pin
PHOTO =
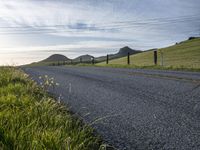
(94, 60)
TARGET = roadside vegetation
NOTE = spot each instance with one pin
(30, 119)
(157, 67)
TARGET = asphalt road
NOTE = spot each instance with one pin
(132, 108)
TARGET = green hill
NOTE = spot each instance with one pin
(182, 55)
(121, 53)
(55, 59)
(83, 58)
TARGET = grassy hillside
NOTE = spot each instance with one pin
(183, 55)
(56, 57)
(83, 58)
(30, 119)
(121, 53)
(53, 60)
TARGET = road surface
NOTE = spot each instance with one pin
(132, 108)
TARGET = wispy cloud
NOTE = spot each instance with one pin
(52, 24)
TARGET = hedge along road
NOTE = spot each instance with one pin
(132, 108)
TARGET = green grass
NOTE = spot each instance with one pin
(52, 63)
(185, 55)
(157, 67)
(30, 119)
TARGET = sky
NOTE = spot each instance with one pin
(31, 30)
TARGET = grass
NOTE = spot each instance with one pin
(52, 63)
(157, 67)
(182, 56)
(30, 119)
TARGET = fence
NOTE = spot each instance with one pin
(107, 59)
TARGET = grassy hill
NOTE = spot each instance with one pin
(83, 58)
(55, 59)
(121, 53)
(182, 55)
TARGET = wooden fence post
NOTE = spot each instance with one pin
(155, 57)
(128, 59)
(107, 59)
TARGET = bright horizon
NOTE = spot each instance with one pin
(31, 30)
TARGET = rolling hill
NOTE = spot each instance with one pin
(55, 58)
(83, 58)
(185, 54)
(121, 53)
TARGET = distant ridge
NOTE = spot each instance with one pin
(125, 50)
(84, 58)
(121, 53)
(55, 58)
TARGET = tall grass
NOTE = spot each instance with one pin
(30, 119)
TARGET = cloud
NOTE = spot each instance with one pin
(52, 24)
(90, 27)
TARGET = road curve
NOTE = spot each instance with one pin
(132, 108)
